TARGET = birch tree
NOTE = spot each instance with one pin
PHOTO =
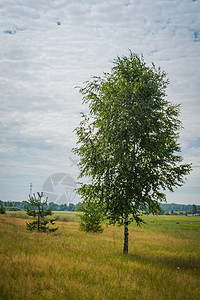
(128, 141)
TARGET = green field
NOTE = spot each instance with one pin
(163, 260)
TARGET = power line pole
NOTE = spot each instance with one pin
(31, 186)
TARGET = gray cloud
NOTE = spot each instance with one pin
(49, 48)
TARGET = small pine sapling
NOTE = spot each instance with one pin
(36, 208)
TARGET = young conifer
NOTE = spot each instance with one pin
(36, 208)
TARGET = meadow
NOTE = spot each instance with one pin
(163, 260)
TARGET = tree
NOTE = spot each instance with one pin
(36, 208)
(194, 209)
(71, 207)
(128, 142)
(2, 210)
(79, 206)
(91, 217)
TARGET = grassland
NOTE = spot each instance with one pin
(163, 260)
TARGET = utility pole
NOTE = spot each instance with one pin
(31, 186)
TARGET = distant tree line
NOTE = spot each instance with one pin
(21, 205)
(173, 208)
(176, 209)
(170, 208)
(179, 207)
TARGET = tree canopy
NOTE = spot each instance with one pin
(128, 141)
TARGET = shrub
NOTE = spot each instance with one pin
(2, 210)
(92, 216)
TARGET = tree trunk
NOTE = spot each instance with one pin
(125, 251)
(38, 225)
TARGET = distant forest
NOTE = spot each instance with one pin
(21, 205)
(174, 209)
(170, 208)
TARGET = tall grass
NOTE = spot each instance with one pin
(163, 261)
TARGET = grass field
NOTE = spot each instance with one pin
(163, 260)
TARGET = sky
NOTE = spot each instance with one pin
(50, 47)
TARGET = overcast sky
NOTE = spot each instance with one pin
(50, 46)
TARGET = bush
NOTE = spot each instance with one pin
(2, 210)
(63, 219)
(92, 216)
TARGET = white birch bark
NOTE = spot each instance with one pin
(125, 251)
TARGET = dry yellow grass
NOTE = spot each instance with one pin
(70, 264)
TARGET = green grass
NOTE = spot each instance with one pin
(163, 260)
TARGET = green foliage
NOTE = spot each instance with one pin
(91, 217)
(21, 205)
(79, 207)
(13, 209)
(194, 209)
(2, 210)
(178, 207)
(13, 205)
(37, 208)
(128, 142)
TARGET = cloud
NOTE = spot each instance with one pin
(49, 48)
